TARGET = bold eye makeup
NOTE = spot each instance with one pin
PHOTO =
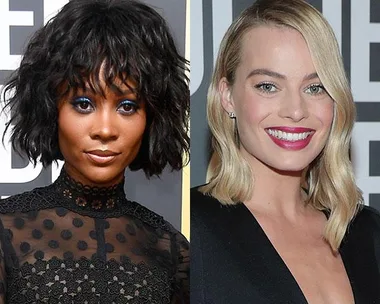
(82, 105)
(127, 107)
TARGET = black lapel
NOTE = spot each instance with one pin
(358, 252)
(256, 257)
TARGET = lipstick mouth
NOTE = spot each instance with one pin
(103, 153)
(290, 134)
(290, 129)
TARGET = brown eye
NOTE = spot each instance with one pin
(127, 107)
(82, 105)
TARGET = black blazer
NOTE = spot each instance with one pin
(233, 261)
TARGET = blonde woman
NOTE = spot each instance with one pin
(281, 219)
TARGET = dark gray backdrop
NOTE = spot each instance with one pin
(18, 20)
(357, 27)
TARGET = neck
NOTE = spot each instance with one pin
(95, 179)
(276, 192)
(77, 195)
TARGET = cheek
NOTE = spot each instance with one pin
(134, 131)
(137, 134)
(325, 113)
(140, 124)
(64, 130)
(251, 109)
(70, 131)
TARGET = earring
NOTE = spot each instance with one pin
(231, 115)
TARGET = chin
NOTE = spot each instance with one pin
(103, 176)
(289, 167)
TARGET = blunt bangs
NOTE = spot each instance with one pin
(113, 39)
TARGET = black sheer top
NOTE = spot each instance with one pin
(69, 243)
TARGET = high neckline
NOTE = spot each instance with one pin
(84, 197)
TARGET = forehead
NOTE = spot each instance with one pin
(281, 49)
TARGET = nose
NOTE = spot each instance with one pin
(294, 107)
(104, 126)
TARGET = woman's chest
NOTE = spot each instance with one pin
(63, 257)
(241, 264)
(87, 281)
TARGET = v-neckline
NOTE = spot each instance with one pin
(286, 268)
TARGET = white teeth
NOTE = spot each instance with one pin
(288, 136)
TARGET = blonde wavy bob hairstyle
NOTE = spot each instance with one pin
(329, 178)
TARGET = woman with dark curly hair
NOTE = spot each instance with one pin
(102, 87)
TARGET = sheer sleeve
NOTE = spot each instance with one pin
(181, 278)
(2, 266)
(2, 278)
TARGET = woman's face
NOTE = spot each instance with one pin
(99, 136)
(283, 113)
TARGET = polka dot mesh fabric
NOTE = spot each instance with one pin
(67, 243)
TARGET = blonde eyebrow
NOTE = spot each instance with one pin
(274, 74)
(266, 72)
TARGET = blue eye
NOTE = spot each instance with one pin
(315, 89)
(83, 105)
(266, 87)
(127, 107)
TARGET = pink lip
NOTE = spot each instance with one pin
(291, 145)
(101, 157)
(103, 152)
(291, 129)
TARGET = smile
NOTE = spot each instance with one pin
(290, 138)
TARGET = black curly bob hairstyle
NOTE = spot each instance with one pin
(130, 40)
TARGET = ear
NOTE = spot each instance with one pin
(226, 95)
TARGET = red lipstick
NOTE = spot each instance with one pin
(291, 129)
(290, 138)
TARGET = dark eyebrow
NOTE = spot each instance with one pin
(274, 74)
(115, 88)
